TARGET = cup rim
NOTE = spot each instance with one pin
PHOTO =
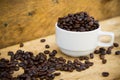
(75, 31)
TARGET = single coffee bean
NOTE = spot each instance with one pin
(47, 46)
(46, 51)
(104, 61)
(110, 48)
(57, 74)
(102, 51)
(81, 58)
(108, 51)
(91, 55)
(42, 40)
(10, 53)
(105, 74)
(115, 44)
(5, 24)
(54, 51)
(31, 13)
(96, 51)
(117, 53)
(91, 64)
(21, 44)
(102, 56)
(86, 58)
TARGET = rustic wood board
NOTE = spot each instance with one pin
(94, 72)
(44, 14)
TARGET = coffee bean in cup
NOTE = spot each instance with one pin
(79, 22)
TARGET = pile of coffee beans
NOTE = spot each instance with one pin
(44, 65)
(39, 66)
(79, 22)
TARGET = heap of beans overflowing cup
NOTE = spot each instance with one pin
(78, 34)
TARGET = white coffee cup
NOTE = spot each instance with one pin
(80, 43)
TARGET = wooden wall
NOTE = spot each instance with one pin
(23, 20)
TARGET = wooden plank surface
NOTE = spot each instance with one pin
(93, 73)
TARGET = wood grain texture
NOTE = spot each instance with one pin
(93, 73)
(22, 26)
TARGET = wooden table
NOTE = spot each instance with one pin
(93, 73)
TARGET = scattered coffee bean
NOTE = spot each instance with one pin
(111, 47)
(42, 40)
(86, 58)
(96, 51)
(91, 55)
(10, 53)
(31, 13)
(52, 54)
(104, 61)
(46, 51)
(21, 44)
(102, 56)
(81, 58)
(108, 51)
(5, 24)
(54, 51)
(79, 22)
(57, 74)
(47, 46)
(117, 53)
(105, 74)
(102, 51)
(115, 44)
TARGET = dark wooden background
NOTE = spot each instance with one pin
(24, 20)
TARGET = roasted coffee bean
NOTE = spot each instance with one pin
(91, 55)
(10, 53)
(115, 44)
(16, 68)
(91, 64)
(104, 61)
(31, 13)
(102, 51)
(102, 56)
(110, 48)
(54, 51)
(52, 54)
(86, 58)
(105, 74)
(117, 53)
(47, 46)
(46, 51)
(76, 61)
(57, 74)
(42, 40)
(87, 62)
(79, 22)
(108, 51)
(5, 24)
(21, 44)
(81, 58)
(96, 51)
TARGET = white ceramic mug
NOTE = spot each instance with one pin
(80, 43)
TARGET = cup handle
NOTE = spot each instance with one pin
(102, 44)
